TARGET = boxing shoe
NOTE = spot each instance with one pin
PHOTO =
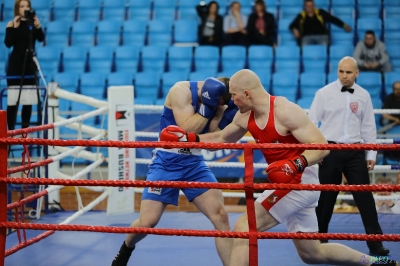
(378, 250)
(387, 263)
(123, 255)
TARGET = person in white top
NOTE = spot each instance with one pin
(388, 205)
(345, 112)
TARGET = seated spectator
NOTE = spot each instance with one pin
(345, 203)
(371, 54)
(386, 206)
(235, 26)
(210, 29)
(309, 27)
(261, 26)
(392, 101)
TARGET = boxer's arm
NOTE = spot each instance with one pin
(181, 103)
(231, 133)
(292, 117)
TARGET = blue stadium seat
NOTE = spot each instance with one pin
(343, 12)
(120, 78)
(8, 10)
(294, 3)
(337, 52)
(68, 81)
(314, 58)
(160, 32)
(233, 57)
(101, 59)
(393, 51)
(372, 82)
(201, 75)
(324, 4)
(332, 77)
(187, 9)
(93, 84)
(83, 33)
(154, 58)
(134, 32)
(147, 84)
(150, 100)
(265, 77)
(287, 58)
(392, 29)
(180, 58)
(390, 78)
(64, 10)
(228, 73)
(285, 36)
(57, 33)
(392, 12)
(165, 3)
(311, 82)
(49, 59)
(42, 8)
(260, 56)
(368, 11)
(285, 84)
(290, 12)
(271, 3)
(139, 9)
(3, 26)
(342, 38)
(108, 33)
(164, 13)
(351, 3)
(364, 24)
(185, 31)
(206, 58)
(127, 58)
(305, 102)
(170, 78)
(89, 10)
(114, 9)
(74, 59)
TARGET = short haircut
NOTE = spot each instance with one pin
(384, 180)
(16, 6)
(227, 96)
(306, 1)
(370, 32)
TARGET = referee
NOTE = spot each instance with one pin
(345, 112)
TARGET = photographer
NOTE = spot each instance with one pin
(21, 34)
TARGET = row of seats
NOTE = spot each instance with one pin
(151, 86)
(312, 58)
(102, 9)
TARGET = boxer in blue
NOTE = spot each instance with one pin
(199, 107)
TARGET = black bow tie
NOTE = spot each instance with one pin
(347, 89)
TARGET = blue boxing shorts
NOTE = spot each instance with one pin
(173, 166)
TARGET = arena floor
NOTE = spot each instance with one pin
(86, 248)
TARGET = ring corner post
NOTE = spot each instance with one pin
(3, 185)
(251, 215)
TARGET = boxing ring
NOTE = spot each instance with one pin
(99, 249)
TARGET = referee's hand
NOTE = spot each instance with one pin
(370, 164)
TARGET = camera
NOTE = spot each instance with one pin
(30, 14)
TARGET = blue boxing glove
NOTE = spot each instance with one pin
(211, 93)
(228, 116)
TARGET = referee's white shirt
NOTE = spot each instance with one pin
(345, 117)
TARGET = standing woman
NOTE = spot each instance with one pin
(18, 37)
(211, 27)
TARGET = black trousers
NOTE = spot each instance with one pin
(354, 166)
(12, 114)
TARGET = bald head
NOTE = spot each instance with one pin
(349, 60)
(245, 79)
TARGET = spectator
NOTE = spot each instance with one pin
(235, 26)
(261, 26)
(211, 26)
(309, 27)
(386, 206)
(371, 54)
(392, 101)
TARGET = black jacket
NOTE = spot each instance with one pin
(270, 30)
(202, 11)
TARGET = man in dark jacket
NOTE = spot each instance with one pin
(309, 27)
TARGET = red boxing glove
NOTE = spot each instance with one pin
(175, 133)
(284, 171)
